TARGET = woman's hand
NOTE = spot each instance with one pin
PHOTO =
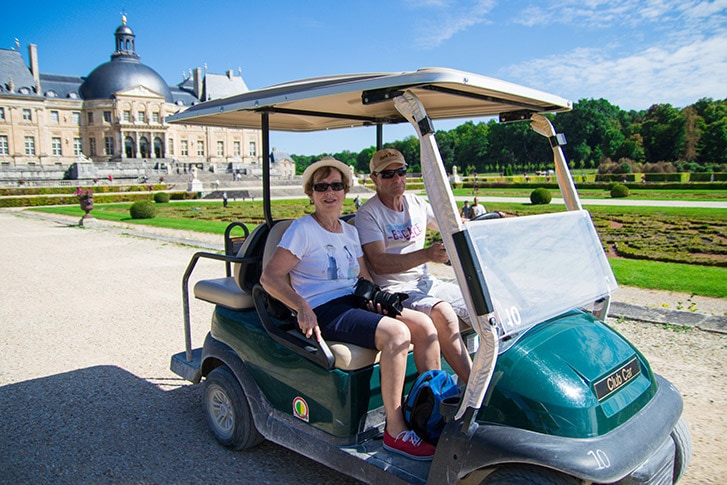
(376, 308)
(308, 324)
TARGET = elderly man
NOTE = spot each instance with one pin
(392, 229)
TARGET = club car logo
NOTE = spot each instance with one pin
(616, 380)
(300, 408)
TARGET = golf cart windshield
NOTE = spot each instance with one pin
(537, 267)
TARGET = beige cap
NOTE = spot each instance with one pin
(385, 157)
(325, 162)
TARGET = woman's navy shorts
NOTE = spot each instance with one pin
(343, 320)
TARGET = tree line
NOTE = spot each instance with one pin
(599, 135)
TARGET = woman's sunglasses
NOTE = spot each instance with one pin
(389, 174)
(323, 186)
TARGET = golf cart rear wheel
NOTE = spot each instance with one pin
(227, 412)
(527, 475)
(683, 448)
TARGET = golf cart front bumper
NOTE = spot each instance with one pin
(639, 451)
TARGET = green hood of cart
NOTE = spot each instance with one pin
(551, 379)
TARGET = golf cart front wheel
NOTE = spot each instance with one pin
(227, 412)
(683, 448)
(527, 475)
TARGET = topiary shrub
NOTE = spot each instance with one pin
(619, 190)
(142, 209)
(540, 196)
(161, 197)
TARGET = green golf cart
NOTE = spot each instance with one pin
(555, 395)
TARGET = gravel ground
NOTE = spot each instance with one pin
(90, 319)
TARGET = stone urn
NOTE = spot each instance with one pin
(86, 202)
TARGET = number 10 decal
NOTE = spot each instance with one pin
(601, 458)
(512, 317)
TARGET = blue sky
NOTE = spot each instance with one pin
(633, 53)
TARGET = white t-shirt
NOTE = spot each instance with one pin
(478, 210)
(328, 266)
(402, 232)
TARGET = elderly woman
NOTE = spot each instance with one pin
(323, 257)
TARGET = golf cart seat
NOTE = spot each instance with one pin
(234, 291)
(346, 356)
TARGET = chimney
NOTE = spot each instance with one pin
(33, 55)
(197, 82)
(229, 74)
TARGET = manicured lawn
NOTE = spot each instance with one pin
(684, 278)
(673, 234)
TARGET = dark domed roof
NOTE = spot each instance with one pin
(124, 71)
(119, 74)
(124, 29)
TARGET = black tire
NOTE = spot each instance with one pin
(227, 411)
(527, 475)
(683, 444)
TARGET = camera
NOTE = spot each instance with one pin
(391, 302)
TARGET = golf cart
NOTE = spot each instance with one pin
(555, 395)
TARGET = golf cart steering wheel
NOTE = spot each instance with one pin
(488, 215)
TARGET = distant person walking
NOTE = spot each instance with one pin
(224, 199)
(466, 211)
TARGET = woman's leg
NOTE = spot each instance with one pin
(425, 340)
(392, 340)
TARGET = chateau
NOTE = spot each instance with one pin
(111, 122)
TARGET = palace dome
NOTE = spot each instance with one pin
(123, 71)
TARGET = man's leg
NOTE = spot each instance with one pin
(445, 316)
(450, 339)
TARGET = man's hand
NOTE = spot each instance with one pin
(437, 253)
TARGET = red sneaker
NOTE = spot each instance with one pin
(409, 444)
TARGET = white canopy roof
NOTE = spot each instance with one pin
(365, 99)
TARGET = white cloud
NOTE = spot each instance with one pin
(679, 75)
(440, 20)
(607, 14)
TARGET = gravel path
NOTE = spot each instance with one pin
(91, 317)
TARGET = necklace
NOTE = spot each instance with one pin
(327, 227)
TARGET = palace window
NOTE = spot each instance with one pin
(185, 148)
(2, 113)
(109, 145)
(220, 148)
(77, 146)
(90, 118)
(56, 146)
(141, 118)
(200, 148)
(92, 146)
(155, 117)
(27, 114)
(3, 145)
(127, 116)
(54, 118)
(30, 145)
(76, 117)
(253, 150)
(236, 148)
(170, 146)
(107, 116)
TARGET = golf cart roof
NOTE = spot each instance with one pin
(351, 100)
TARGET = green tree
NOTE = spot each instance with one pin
(663, 133)
(713, 144)
(592, 128)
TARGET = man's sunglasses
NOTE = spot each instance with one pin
(389, 174)
(323, 186)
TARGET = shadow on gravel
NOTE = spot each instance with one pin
(104, 425)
